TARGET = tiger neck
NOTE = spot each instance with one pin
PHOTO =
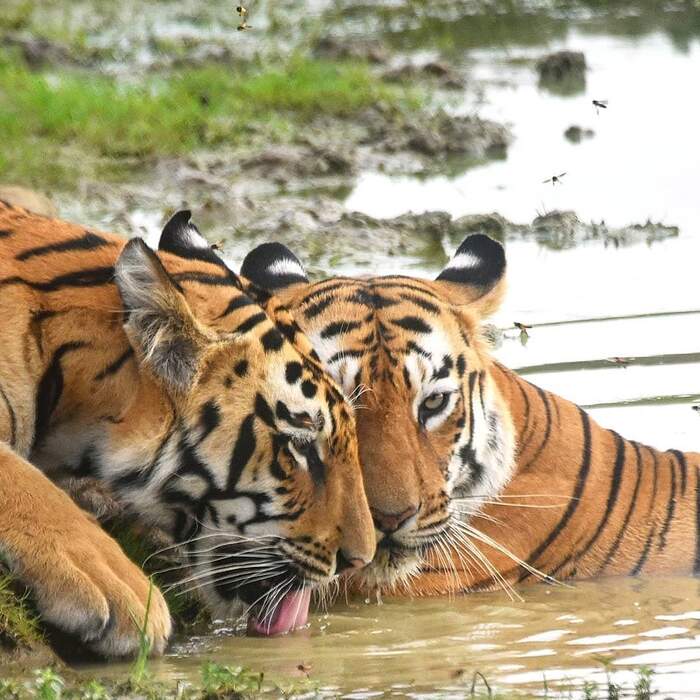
(584, 501)
(99, 413)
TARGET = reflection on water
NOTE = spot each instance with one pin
(426, 648)
(642, 162)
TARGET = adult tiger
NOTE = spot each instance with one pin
(161, 376)
(449, 438)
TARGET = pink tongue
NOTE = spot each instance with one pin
(292, 612)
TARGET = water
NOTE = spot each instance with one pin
(431, 648)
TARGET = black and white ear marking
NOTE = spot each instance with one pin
(273, 266)
(479, 262)
(182, 238)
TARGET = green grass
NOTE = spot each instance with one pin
(18, 626)
(139, 671)
(220, 682)
(50, 122)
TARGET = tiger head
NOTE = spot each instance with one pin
(257, 473)
(436, 440)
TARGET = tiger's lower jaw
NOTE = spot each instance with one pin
(390, 570)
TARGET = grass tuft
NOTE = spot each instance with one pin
(41, 114)
(223, 681)
(139, 671)
(18, 626)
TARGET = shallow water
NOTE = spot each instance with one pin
(431, 648)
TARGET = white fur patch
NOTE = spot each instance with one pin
(286, 266)
(193, 239)
(464, 261)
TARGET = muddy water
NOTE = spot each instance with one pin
(431, 648)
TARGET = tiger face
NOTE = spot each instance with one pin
(436, 440)
(257, 473)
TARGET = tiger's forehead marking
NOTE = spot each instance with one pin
(353, 323)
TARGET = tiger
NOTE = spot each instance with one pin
(476, 478)
(160, 375)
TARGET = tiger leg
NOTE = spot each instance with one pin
(81, 579)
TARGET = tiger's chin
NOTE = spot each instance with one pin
(389, 572)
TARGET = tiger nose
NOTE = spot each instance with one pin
(391, 522)
(345, 561)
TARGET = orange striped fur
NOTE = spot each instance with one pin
(163, 378)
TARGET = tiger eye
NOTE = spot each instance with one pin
(434, 402)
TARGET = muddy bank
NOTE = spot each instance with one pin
(238, 212)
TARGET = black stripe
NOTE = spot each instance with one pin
(402, 285)
(50, 389)
(413, 346)
(426, 305)
(251, 322)
(472, 384)
(630, 510)
(341, 354)
(338, 327)
(115, 366)
(238, 302)
(317, 308)
(412, 323)
(655, 482)
(229, 280)
(645, 553)
(13, 418)
(242, 452)
(612, 500)
(88, 241)
(522, 440)
(548, 427)
(581, 479)
(338, 284)
(670, 508)
(684, 469)
(91, 277)
(4, 233)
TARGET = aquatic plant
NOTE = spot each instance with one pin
(221, 681)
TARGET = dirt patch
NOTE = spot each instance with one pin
(576, 133)
(37, 202)
(563, 72)
(357, 49)
(442, 73)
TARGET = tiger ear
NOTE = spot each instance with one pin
(273, 267)
(160, 324)
(182, 238)
(476, 274)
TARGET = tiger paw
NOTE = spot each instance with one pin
(85, 585)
